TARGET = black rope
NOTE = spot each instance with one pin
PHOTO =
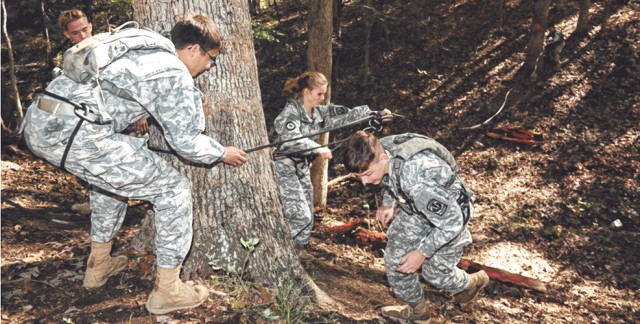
(373, 116)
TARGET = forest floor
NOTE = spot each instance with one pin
(562, 209)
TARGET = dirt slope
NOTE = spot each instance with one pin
(543, 210)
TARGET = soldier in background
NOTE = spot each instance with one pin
(429, 230)
(75, 25)
(305, 114)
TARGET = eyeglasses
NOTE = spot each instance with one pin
(212, 59)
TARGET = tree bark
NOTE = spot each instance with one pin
(319, 57)
(45, 30)
(608, 10)
(583, 18)
(230, 204)
(17, 114)
(536, 39)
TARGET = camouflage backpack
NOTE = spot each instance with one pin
(83, 62)
(404, 146)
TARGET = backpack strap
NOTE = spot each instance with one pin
(82, 63)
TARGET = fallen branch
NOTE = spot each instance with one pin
(514, 134)
(504, 276)
(346, 227)
(340, 179)
(377, 240)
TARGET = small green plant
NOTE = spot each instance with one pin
(290, 298)
(268, 314)
(235, 278)
(265, 32)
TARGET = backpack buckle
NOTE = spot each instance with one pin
(92, 115)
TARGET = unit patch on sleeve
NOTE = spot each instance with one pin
(437, 207)
(338, 110)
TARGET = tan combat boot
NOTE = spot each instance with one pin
(420, 312)
(477, 281)
(101, 265)
(304, 255)
(170, 293)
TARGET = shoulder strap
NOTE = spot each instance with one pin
(403, 147)
(82, 62)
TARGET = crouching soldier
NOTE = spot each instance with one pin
(429, 229)
(141, 83)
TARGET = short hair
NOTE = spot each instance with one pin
(196, 29)
(68, 16)
(361, 149)
(307, 80)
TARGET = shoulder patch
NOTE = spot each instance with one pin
(437, 207)
(290, 126)
(339, 110)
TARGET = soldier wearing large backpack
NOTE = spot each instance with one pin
(77, 127)
(428, 230)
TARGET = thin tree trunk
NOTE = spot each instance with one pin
(231, 204)
(18, 114)
(536, 39)
(583, 18)
(7, 104)
(500, 14)
(45, 30)
(368, 24)
(608, 10)
(319, 58)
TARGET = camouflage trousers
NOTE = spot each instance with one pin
(405, 235)
(296, 196)
(142, 175)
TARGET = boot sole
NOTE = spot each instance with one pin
(160, 311)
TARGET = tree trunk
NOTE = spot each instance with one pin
(583, 18)
(45, 30)
(319, 56)
(231, 204)
(17, 114)
(369, 19)
(7, 104)
(536, 39)
(608, 10)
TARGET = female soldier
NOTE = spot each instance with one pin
(304, 114)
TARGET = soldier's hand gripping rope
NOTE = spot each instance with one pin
(375, 120)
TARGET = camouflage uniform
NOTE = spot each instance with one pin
(157, 83)
(294, 180)
(436, 229)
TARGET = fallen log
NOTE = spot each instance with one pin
(346, 227)
(378, 240)
(504, 276)
(365, 237)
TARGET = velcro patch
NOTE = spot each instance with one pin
(437, 207)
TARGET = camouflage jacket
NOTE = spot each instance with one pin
(425, 178)
(293, 122)
(152, 83)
